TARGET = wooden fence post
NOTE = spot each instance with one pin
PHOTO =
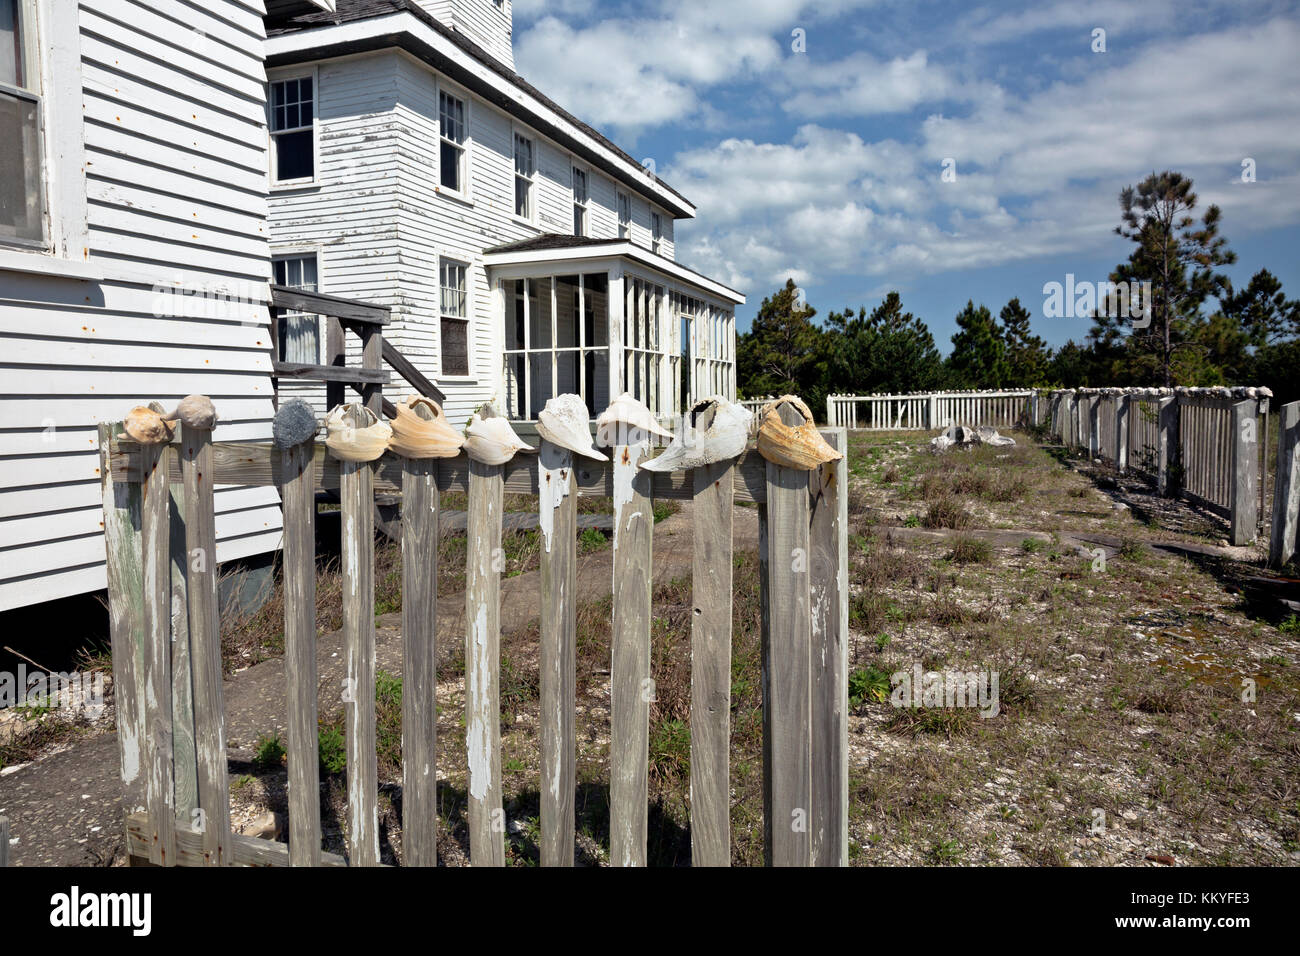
(420, 656)
(829, 542)
(1286, 487)
(1167, 445)
(557, 503)
(631, 689)
(1245, 471)
(197, 475)
(787, 679)
(298, 493)
(1122, 407)
(357, 501)
(482, 664)
(711, 597)
(4, 842)
(123, 564)
(155, 544)
(185, 778)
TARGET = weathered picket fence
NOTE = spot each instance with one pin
(932, 410)
(1283, 542)
(1203, 444)
(167, 664)
(4, 842)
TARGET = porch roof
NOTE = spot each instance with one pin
(571, 251)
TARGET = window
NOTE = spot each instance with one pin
(579, 201)
(453, 326)
(452, 171)
(656, 232)
(624, 215)
(293, 129)
(298, 333)
(523, 177)
(21, 186)
(556, 342)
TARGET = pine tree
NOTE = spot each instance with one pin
(1027, 354)
(978, 358)
(782, 352)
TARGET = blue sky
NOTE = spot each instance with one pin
(826, 165)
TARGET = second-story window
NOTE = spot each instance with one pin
(293, 135)
(453, 327)
(452, 172)
(21, 188)
(656, 232)
(523, 177)
(624, 216)
(579, 201)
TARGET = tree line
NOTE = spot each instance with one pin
(1250, 336)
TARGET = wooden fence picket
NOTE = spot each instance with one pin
(155, 544)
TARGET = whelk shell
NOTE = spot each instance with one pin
(724, 438)
(490, 439)
(147, 426)
(195, 411)
(348, 442)
(627, 421)
(420, 430)
(564, 423)
(801, 447)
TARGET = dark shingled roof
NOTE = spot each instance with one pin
(351, 10)
(554, 240)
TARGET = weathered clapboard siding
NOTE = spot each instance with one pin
(175, 184)
(486, 24)
(381, 223)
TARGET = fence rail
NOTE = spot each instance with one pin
(161, 557)
(932, 410)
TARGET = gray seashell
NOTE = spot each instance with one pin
(294, 423)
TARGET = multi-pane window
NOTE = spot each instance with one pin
(293, 137)
(298, 333)
(453, 328)
(21, 188)
(556, 342)
(656, 232)
(579, 201)
(452, 173)
(523, 177)
(624, 215)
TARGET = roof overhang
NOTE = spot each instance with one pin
(602, 257)
(288, 8)
(403, 30)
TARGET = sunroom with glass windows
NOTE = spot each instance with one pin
(598, 317)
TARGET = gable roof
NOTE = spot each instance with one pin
(353, 11)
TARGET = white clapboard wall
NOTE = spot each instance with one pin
(175, 178)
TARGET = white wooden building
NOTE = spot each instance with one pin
(134, 259)
(521, 252)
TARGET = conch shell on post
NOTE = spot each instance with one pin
(421, 430)
(146, 426)
(792, 446)
(564, 423)
(627, 421)
(489, 439)
(294, 423)
(724, 438)
(348, 442)
(195, 411)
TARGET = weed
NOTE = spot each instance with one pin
(868, 685)
(968, 550)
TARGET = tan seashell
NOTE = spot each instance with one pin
(347, 442)
(195, 411)
(801, 447)
(724, 438)
(421, 430)
(146, 426)
(490, 439)
(627, 421)
(564, 423)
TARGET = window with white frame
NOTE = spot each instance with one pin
(298, 333)
(524, 167)
(579, 201)
(624, 215)
(21, 179)
(656, 232)
(453, 169)
(453, 323)
(293, 129)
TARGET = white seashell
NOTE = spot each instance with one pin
(490, 439)
(421, 430)
(627, 421)
(724, 439)
(564, 423)
(195, 411)
(348, 442)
